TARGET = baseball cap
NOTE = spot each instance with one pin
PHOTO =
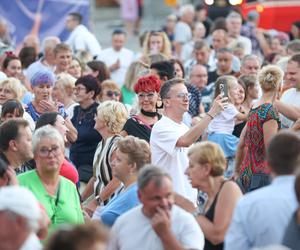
(21, 201)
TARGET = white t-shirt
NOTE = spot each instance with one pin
(133, 231)
(224, 122)
(109, 56)
(36, 67)
(247, 43)
(182, 32)
(82, 39)
(164, 136)
(290, 97)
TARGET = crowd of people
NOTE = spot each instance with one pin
(190, 143)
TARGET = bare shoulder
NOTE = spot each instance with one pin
(229, 188)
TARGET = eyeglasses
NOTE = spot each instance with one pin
(144, 95)
(45, 152)
(184, 95)
(111, 93)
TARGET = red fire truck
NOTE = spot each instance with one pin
(274, 14)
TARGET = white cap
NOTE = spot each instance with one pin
(21, 201)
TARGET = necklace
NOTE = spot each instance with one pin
(150, 114)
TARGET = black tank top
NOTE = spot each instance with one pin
(210, 214)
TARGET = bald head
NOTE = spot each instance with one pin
(199, 76)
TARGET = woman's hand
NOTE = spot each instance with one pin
(48, 106)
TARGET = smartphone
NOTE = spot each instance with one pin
(223, 89)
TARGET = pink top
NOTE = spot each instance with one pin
(68, 171)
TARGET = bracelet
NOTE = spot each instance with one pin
(196, 213)
(212, 117)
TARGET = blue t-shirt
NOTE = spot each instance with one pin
(119, 204)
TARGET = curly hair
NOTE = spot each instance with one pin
(149, 83)
(138, 150)
(114, 115)
(14, 85)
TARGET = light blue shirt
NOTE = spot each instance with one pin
(119, 204)
(261, 216)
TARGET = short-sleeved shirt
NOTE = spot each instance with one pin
(183, 32)
(254, 161)
(224, 122)
(62, 208)
(168, 156)
(133, 230)
(30, 109)
(119, 204)
(290, 97)
(101, 164)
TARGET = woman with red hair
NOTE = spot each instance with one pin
(140, 125)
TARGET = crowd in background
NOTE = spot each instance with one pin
(191, 142)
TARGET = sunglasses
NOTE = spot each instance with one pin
(111, 93)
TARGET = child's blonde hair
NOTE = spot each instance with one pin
(230, 81)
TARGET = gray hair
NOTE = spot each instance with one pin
(166, 87)
(185, 8)
(50, 42)
(249, 58)
(151, 172)
(47, 131)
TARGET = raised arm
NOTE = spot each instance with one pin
(196, 131)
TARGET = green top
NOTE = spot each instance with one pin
(64, 209)
(127, 95)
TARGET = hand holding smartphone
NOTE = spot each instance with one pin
(224, 93)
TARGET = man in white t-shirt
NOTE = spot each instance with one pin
(117, 58)
(81, 39)
(170, 137)
(292, 95)
(157, 223)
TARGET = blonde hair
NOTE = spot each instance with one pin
(110, 84)
(270, 78)
(166, 51)
(15, 86)
(135, 70)
(67, 82)
(138, 150)
(114, 115)
(209, 152)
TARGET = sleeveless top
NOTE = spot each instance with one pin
(254, 161)
(210, 215)
(102, 164)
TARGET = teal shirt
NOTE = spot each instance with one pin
(67, 210)
(127, 95)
